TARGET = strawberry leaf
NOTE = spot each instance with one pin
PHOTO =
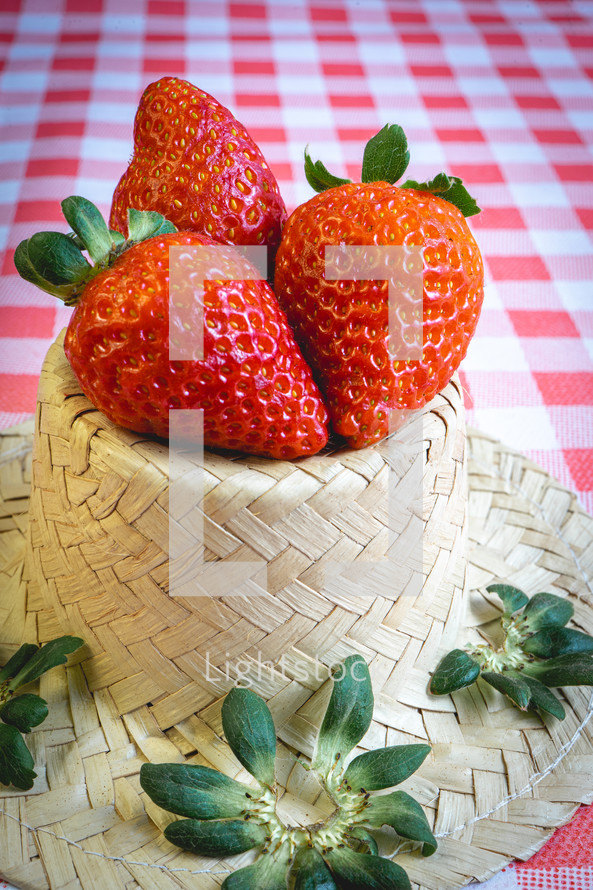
(16, 762)
(26, 270)
(250, 731)
(357, 870)
(362, 841)
(348, 715)
(541, 699)
(268, 873)
(56, 258)
(17, 661)
(547, 610)
(554, 641)
(566, 670)
(384, 767)
(319, 177)
(404, 815)
(215, 838)
(195, 791)
(145, 224)
(450, 188)
(512, 598)
(43, 659)
(511, 685)
(456, 670)
(117, 238)
(311, 872)
(90, 227)
(24, 711)
(386, 155)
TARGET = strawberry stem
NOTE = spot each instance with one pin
(55, 263)
(386, 158)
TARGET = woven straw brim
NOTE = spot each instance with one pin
(496, 785)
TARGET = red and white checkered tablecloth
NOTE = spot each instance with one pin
(499, 92)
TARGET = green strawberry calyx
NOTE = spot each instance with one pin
(386, 158)
(55, 262)
(538, 652)
(224, 817)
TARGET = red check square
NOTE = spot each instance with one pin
(328, 14)
(517, 268)
(537, 103)
(580, 466)
(565, 389)
(558, 137)
(585, 215)
(477, 172)
(498, 218)
(445, 101)
(542, 324)
(574, 172)
(247, 66)
(18, 392)
(248, 10)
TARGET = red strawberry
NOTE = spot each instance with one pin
(198, 166)
(343, 327)
(256, 390)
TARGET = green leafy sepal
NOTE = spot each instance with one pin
(537, 652)
(55, 262)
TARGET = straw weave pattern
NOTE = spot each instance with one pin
(99, 537)
(495, 786)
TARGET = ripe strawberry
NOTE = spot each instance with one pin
(256, 390)
(343, 327)
(197, 165)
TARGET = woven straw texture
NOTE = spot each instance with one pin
(497, 782)
(99, 537)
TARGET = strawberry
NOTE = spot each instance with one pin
(343, 327)
(198, 166)
(255, 389)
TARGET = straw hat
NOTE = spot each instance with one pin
(87, 513)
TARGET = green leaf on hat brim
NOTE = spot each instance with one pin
(16, 762)
(43, 659)
(348, 715)
(551, 642)
(512, 598)
(17, 661)
(384, 767)
(362, 841)
(195, 791)
(215, 838)
(547, 610)
(24, 711)
(310, 871)
(541, 698)
(566, 670)
(357, 870)
(404, 815)
(268, 873)
(455, 671)
(511, 685)
(250, 731)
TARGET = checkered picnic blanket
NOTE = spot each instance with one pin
(499, 92)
